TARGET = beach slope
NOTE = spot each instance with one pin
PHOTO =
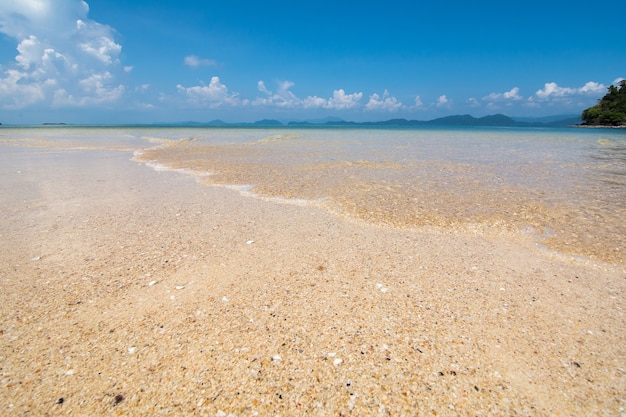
(127, 291)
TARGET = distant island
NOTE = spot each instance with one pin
(610, 110)
(466, 120)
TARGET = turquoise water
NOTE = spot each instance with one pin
(566, 188)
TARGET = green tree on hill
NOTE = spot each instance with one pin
(610, 110)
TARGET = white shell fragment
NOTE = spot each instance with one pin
(249, 242)
(151, 283)
(132, 350)
(381, 287)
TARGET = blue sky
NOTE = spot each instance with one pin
(120, 61)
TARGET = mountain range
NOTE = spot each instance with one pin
(465, 120)
(496, 120)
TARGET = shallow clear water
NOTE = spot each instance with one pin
(566, 188)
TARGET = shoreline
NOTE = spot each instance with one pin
(599, 126)
(136, 291)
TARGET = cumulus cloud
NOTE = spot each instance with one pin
(592, 88)
(282, 97)
(552, 91)
(261, 87)
(100, 47)
(212, 96)
(339, 101)
(17, 95)
(511, 95)
(343, 101)
(96, 90)
(443, 101)
(194, 61)
(22, 18)
(472, 102)
(314, 102)
(384, 102)
(63, 57)
(418, 102)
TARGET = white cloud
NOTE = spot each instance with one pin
(418, 102)
(575, 97)
(285, 85)
(21, 18)
(97, 85)
(97, 44)
(213, 95)
(592, 88)
(283, 97)
(384, 102)
(552, 91)
(472, 102)
(29, 52)
(194, 61)
(443, 101)
(63, 58)
(262, 88)
(618, 80)
(512, 95)
(95, 89)
(339, 101)
(314, 102)
(343, 101)
(18, 91)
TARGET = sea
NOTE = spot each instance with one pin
(562, 188)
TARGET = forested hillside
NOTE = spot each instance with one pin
(610, 110)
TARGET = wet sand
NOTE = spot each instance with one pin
(127, 291)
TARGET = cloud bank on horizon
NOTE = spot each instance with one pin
(66, 63)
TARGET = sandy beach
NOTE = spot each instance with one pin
(130, 291)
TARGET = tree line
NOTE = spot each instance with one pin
(610, 110)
